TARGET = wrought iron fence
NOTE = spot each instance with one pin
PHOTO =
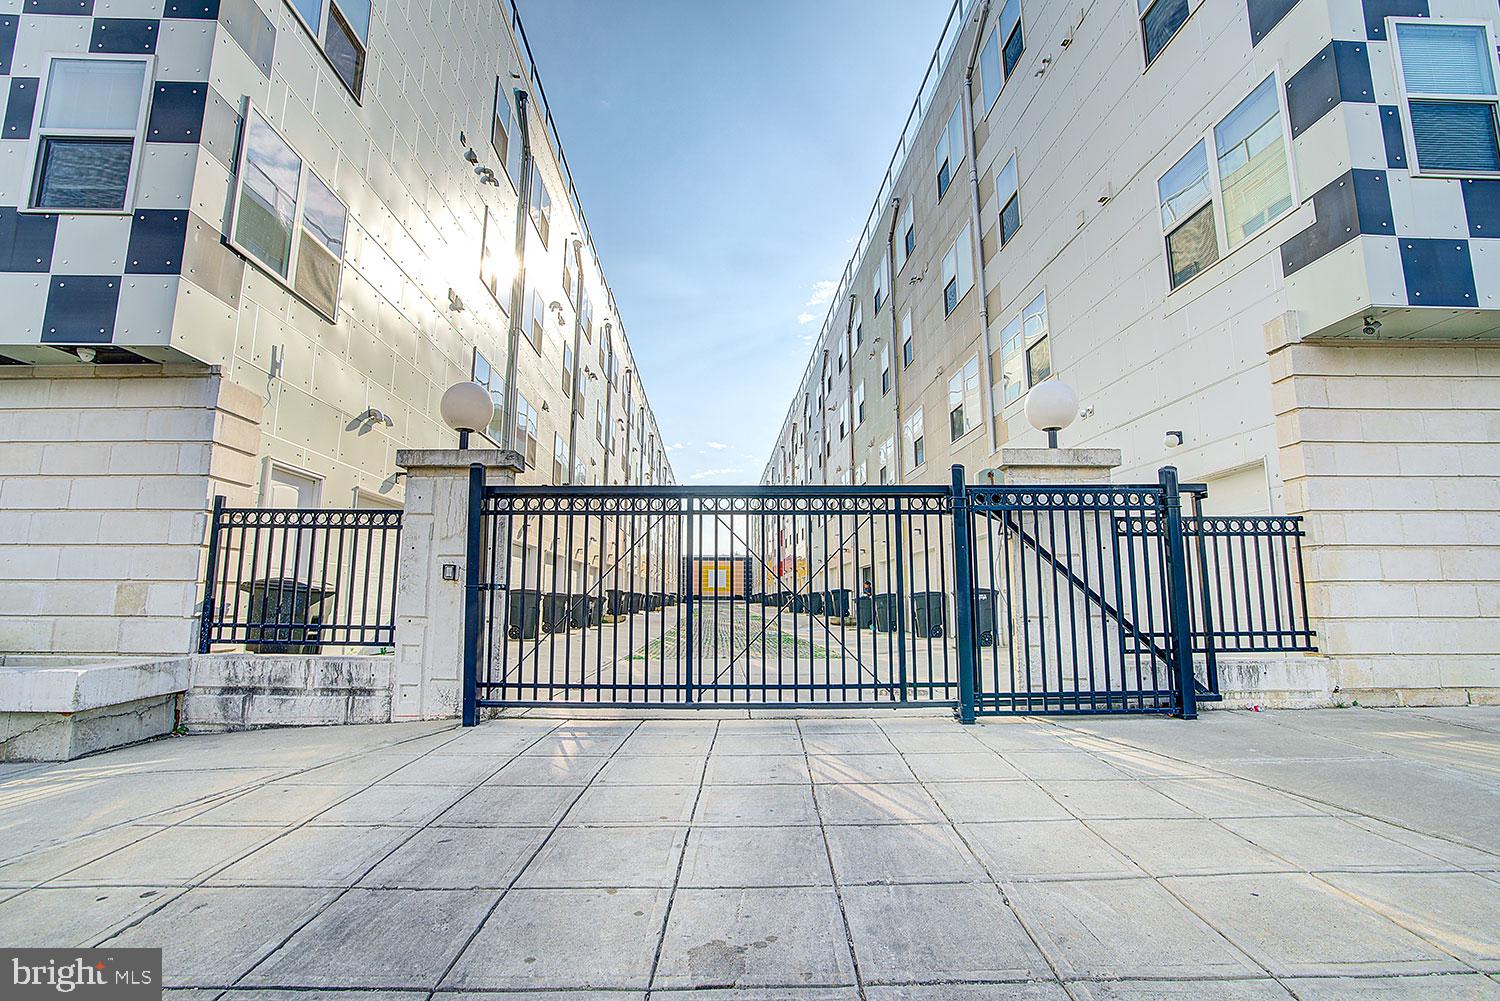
(295, 580)
(688, 597)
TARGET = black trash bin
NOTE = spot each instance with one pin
(596, 611)
(836, 602)
(887, 612)
(521, 616)
(619, 601)
(556, 612)
(578, 611)
(929, 613)
(984, 616)
(637, 602)
(815, 603)
(864, 612)
(285, 615)
(658, 600)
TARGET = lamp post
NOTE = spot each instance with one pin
(1050, 407)
(466, 407)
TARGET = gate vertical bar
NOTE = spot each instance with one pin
(963, 597)
(471, 595)
(690, 570)
(210, 576)
(1178, 599)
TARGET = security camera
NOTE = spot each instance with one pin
(471, 156)
(1372, 326)
(1172, 439)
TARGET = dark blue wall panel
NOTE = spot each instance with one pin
(26, 240)
(1438, 272)
(19, 108)
(81, 309)
(1482, 206)
(75, 7)
(1358, 203)
(176, 112)
(1376, 11)
(156, 237)
(1340, 72)
(124, 34)
(1395, 139)
(8, 23)
(1265, 15)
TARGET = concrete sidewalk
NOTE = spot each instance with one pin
(1340, 854)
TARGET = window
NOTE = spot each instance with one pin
(500, 125)
(588, 316)
(1447, 73)
(526, 430)
(1038, 361)
(843, 424)
(885, 370)
(492, 379)
(1025, 358)
(600, 420)
(1249, 188)
(1253, 178)
(907, 237)
(1187, 215)
(882, 282)
(916, 444)
(491, 253)
(92, 113)
(843, 358)
(1001, 53)
(963, 400)
(859, 325)
(859, 404)
(958, 271)
(534, 322)
(559, 459)
(343, 29)
(907, 352)
(887, 453)
(950, 150)
(567, 369)
(859, 475)
(541, 205)
(1008, 192)
(1160, 20)
(286, 219)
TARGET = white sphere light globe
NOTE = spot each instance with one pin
(467, 406)
(1051, 405)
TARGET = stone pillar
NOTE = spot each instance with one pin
(430, 604)
(1070, 538)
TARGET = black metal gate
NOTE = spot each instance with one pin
(1008, 599)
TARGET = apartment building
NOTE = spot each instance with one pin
(245, 245)
(1252, 235)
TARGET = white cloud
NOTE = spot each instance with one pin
(675, 446)
(822, 294)
(716, 445)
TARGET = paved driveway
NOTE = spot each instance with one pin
(1349, 854)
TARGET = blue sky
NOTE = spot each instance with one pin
(726, 153)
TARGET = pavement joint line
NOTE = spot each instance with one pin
(520, 870)
(999, 889)
(661, 940)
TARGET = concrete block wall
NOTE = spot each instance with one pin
(104, 502)
(1393, 456)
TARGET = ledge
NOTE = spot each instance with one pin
(452, 459)
(64, 684)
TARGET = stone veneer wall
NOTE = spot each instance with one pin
(108, 475)
(1392, 453)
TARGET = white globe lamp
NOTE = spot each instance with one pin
(466, 407)
(1051, 406)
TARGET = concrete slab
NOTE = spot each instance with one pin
(652, 770)
(1296, 925)
(1458, 911)
(754, 937)
(171, 856)
(969, 802)
(756, 806)
(633, 805)
(1462, 987)
(844, 768)
(755, 742)
(1190, 847)
(885, 803)
(276, 804)
(901, 853)
(57, 917)
(1045, 849)
(961, 766)
(607, 857)
(957, 932)
(378, 938)
(314, 856)
(1182, 990)
(1098, 800)
(757, 769)
(400, 806)
(509, 806)
(435, 769)
(575, 939)
(457, 858)
(1093, 930)
(755, 856)
(557, 769)
(1331, 843)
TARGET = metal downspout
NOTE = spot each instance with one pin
(987, 404)
(890, 258)
(849, 394)
(518, 285)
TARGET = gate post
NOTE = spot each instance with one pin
(1177, 592)
(471, 595)
(963, 597)
(210, 576)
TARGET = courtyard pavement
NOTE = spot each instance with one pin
(1331, 855)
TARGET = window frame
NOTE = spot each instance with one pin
(236, 185)
(503, 301)
(1025, 343)
(971, 422)
(908, 340)
(37, 143)
(1140, 22)
(1000, 45)
(951, 129)
(1014, 158)
(539, 211)
(1406, 96)
(960, 260)
(364, 44)
(907, 228)
(908, 437)
(1215, 197)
